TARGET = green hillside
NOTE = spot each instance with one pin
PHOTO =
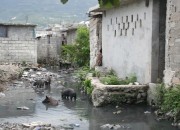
(44, 12)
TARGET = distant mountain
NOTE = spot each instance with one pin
(43, 12)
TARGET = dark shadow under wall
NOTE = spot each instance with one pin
(162, 41)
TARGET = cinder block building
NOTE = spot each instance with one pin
(48, 45)
(172, 57)
(141, 37)
(17, 43)
(131, 42)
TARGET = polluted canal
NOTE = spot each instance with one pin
(23, 105)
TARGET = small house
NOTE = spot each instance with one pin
(17, 43)
(133, 38)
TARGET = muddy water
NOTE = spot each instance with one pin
(81, 112)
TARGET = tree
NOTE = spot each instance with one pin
(78, 53)
(109, 3)
(103, 3)
(64, 1)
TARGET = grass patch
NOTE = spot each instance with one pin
(171, 100)
(112, 79)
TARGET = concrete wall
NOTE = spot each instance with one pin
(172, 66)
(117, 94)
(48, 50)
(129, 39)
(71, 36)
(95, 39)
(19, 46)
(17, 51)
(21, 33)
(162, 37)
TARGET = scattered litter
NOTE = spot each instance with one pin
(43, 69)
(31, 99)
(25, 74)
(33, 76)
(31, 70)
(115, 126)
(77, 125)
(68, 126)
(37, 128)
(38, 73)
(23, 108)
(118, 112)
(36, 125)
(147, 112)
(130, 84)
(2, 95)
(136, 83)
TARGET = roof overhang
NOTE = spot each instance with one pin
(97, 8)
(69, 29)
(18, 24)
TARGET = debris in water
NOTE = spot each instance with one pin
(2, 95)
(147, 112)
(23, 108)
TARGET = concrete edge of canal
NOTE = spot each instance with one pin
(120, 94)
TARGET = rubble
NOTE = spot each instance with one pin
(28, 126)
(22, 108)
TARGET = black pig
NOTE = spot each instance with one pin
(50, 101)
(68, 93)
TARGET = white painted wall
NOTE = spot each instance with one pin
(128, 54)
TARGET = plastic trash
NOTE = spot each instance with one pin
(77, 125)
(147, 112)
(2, 95)
(23, 108)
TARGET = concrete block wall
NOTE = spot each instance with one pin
(172, 58)
(16, 51)
(71, 36)
(52, 50)
(95, 39)
(21, 32)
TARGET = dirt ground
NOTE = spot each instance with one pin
(8, 73)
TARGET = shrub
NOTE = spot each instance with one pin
(81, 74)
(78, 53)
(171, 100)
(110, 80)
(88, 87)
(132, 78)
(160, 91)
(23, 63)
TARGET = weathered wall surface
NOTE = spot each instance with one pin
(48, 48)
(71, 36)
(17, 51)
(18, 46)
(117, 94)
(95, 39)
(129, 39)
(172, 60)
(21, 33)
